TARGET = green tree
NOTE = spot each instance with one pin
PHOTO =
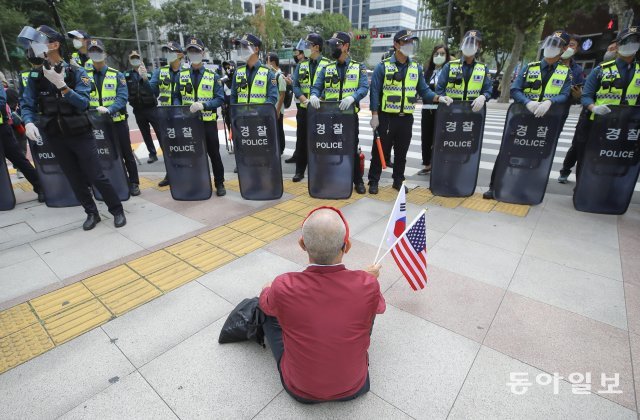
(268, 22)
(425, 48)
(325, 24)
(360, 48)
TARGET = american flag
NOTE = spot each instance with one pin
(410, 253)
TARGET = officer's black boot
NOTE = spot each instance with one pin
(119, 219)
(397, 184)
(360, 188)
(373, 187)
(488, 195)
(220, 190)
(164, 182)
(292, 159)
(152, 158)
(134, 190)
(41, 198)
(298, 177)
(91, 222)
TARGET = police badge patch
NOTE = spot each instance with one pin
(557, 82)
(477, 77)
(85, 80)
(123, 82)
(259, 83)
(413, 76)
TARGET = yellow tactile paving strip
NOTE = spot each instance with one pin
(34, 327)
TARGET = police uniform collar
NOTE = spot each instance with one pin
(256, 65)
(393, 59)
(346, 62)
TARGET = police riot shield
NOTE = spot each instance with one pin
(7, 198)
(55, 185)
(331, 150)
(526, 154)
(611, 162)
(457, 143)
(109, 155)
(182, 138)
(255, 140)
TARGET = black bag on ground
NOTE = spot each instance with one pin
(244, 323)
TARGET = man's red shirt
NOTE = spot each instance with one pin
(326, 315)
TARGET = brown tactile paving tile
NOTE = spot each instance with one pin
(555, 340)
(632, 298)
(453, 301)
(16, 318)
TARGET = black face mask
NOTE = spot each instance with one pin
(336, 53)
(296, 59)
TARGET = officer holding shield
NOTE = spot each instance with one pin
(201, 90)
(254, 83)
(304, 77)
(109, 95)
(59, 94)
(541, 84)
(466, 79)
(343, 80)
(395, 84)
(165, 82)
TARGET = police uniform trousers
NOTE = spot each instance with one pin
(13, 151)
(578, 143)
(395, 132)
(281, 136)
(144, 118)
(78, 158)
(357, 175)
(426, 139)
(301, 139)
(213, 150)
(121, 131)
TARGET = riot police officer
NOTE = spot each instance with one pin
(144, 102)
(58, 95)
(165, 82)
(541, 84)
(304, 77)
(109, 95)
(201, 90)
(226, 80)
(466, 79)
(343, 80)
(80, 41)
(395, 84)
(254, 83)
(298, 58)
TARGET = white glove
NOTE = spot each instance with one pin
(314, 101)
(542, 108)
(142, 71)
(478, 103)
(346, 103)
(601, 110)
(445, 100)
(532, 106)
(196, 106)
(102, 110)
(54, 77)
(74, 63)
(375, 122)
(32, 131)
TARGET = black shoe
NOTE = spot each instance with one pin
(163, 183)
(134, 190)
(389, 164)
(152, 158)
(235, 170)
(488, 195)
(298, 177)
(41, 198)
(220, 190)
(360, 188)
(119, 220)
(373, 187)
(91, 222)
(396, 186)
(292, 159)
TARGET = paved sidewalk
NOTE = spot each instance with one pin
(123, 323)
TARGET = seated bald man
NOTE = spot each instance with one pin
(319, 320)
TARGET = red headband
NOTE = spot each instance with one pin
(346, 225)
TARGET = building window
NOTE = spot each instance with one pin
(303, 15)
(319, 5)
(327, 5)
(295, 16)
(248, 7)
(303, 2)
(295, 1)
(287, 14)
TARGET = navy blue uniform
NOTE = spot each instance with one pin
(143, 100)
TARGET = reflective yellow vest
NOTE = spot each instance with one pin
(165, 87)
(608, 94)
(256, 93)
(304, 76)
(457, 87)
(88, 65)
(336, 89)
(24, 78)
(554, 84)
(399, 96)
(204, 93)
(107, 94)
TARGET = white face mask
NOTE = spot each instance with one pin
(77, 44)
(469, 51)
(627, 50)
(307, 52)
(568, 53)
(609, 55)
(97, 57)
(171, 57)
(245, 53)
(439, 60)
(135, 62)
(195, 58)
(551, 52)
(407, 50)
(39, 49)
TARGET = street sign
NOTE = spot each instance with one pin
(373, 32)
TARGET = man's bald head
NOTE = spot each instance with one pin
(323, 236)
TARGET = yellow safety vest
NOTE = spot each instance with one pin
(88, 65)
(165, 97)
(256, 93)
(204, 93)
(399, 96)
(304, 76)
(554, 84)
(457, 87)
(336, 89)
(24, 77)
(107, 94)
(609, 94)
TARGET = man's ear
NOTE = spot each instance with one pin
(301, 243)
(347, 246)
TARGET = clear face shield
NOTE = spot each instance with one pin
(408, 48)
(29, 38)
(552, 46)
(304, 46)
(169, 54)
(629, 45)
(246, 51)
(469, 46)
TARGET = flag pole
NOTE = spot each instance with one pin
(386, 229)
(401, 236)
